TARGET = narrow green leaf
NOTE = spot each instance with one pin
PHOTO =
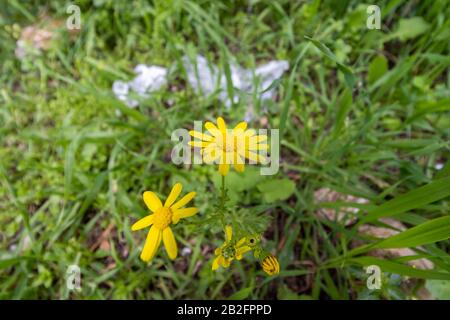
(287, 99)
(388, 81)
(10, 262)
(348, 73)
(241, 294)
(429, 232)
(442, 105)
(444, 172)
(345, 105)
(377, 68)
(416, 198)
(401, 269)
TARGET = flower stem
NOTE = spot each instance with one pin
(222, 200)
(222, 204)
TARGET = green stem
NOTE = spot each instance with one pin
(222, 201)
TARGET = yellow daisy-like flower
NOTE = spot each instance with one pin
(270, 265)
(229, 250)
(229, 146)
(160, 220)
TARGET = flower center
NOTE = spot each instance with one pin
(229, 147)
(163, 217)
(229, 143)
(228, 251)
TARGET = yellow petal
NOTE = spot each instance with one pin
(210, 147)
(253, 157)
(224, 168)
(239, 167)
(215, 264)
(238, 159)
(211, 156)
(152, 201)
(151, 244)
(199, 144)
(143, 223)
(228, 233)
(240, 251)
(228, 157)
(211, 151)
(258, 147)
(241, 242)
(183, 213)
(183, 201)
(200, 135)
(174, 193)
(240, 128)
(170, 243)
(270, 265)
(226, 262)
(257, 139)
(211, 127)
(221, 125)
(249, 133)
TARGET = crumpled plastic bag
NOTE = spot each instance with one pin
(148, 79)
(206, 78)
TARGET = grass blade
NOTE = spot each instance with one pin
(416, 198)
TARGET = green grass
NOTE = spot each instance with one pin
(363, 112)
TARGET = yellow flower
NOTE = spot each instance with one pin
(270, 265)
(160, 220)
(229, 146)
(229, 250)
